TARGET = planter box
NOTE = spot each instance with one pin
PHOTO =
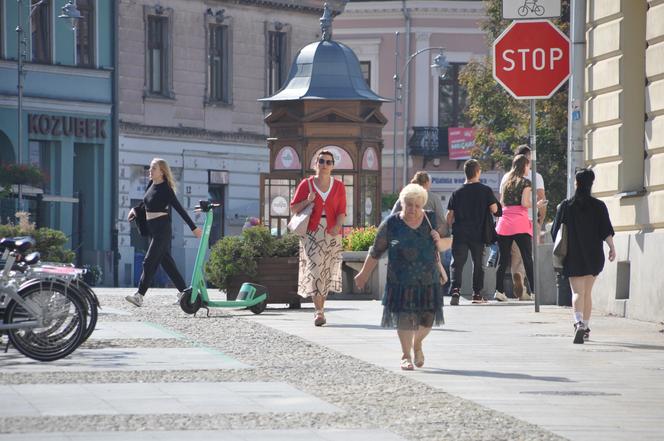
(278, 275)
(352, 263)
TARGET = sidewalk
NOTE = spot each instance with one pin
(496, 372)
(510, 359)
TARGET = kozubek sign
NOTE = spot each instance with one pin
(57, 126)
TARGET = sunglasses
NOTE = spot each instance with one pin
(322, 161)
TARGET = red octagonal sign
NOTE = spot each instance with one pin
(531, 59)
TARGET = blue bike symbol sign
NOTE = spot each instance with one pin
(527, 9)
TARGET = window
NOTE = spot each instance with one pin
(85, 34)
(365, 66)
(452, 99)
(219, 69)
(277, 62)
(40, 26)
(157, 55)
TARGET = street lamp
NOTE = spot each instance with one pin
(439, 62)
(68, 11)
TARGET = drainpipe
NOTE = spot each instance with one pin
(405, 94)
(115, 158)
(575, 115)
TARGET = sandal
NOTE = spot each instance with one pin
(406, 365)
(419, 358)
(319, 318)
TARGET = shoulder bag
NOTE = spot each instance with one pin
(441, 269)
(140, 220)
(298, 222)
(560, 244)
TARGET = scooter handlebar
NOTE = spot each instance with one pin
(206, 206)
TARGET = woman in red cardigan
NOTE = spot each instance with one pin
(320, 249)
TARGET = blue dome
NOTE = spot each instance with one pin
(325, 70)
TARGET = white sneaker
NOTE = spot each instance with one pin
(500, 297)
(527, 297)
(135, 299)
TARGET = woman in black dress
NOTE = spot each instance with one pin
(588, 227)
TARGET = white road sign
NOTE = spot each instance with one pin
(525, 9)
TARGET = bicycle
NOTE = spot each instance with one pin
(530, 6)
(44, 318)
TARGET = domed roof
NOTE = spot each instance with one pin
(325, 70)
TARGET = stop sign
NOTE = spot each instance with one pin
(531, 59)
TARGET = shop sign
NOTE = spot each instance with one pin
(461, 141)
(452, 180)
(40, 124)
(287, 159)
(370, 159)
(279, 206)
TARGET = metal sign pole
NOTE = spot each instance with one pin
(533, 180)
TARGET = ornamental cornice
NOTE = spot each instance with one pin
(417, 10)
(191, 133)
(313, 6)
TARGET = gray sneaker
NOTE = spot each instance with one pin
(500, 297)
(135, 299)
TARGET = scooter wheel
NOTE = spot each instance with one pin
(187, 306)
(258, 307)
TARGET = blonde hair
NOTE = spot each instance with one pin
(420, 178)
(412, 192)
(166, 171)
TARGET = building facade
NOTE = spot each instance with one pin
(191, 74)
(416, 134)
(624, 143)
(67, 120)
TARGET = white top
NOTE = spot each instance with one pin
(539, 183)
(324, 194)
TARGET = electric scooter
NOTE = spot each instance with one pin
(251, 296)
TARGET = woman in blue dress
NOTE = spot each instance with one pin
(413, 298)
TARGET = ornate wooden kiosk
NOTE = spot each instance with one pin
(326, 104)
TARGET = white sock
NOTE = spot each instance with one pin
(586, 323)
(578, 317)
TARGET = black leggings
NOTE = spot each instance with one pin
(159, 252)
(524, 242)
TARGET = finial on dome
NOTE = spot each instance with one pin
(326, 23)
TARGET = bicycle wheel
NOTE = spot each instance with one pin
(64, 319)
(539, 10)
(522, 11)
(92, 308)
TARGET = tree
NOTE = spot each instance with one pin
(502, 122)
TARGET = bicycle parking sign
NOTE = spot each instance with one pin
(528, 9)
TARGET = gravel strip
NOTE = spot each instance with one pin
(371, 397)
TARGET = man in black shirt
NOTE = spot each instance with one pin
(467, 209)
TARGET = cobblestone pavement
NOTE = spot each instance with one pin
(330, 395)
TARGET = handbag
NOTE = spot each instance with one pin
(560, 245)
(489, 235)
(441, 269)
(299, 221)
(140, 220)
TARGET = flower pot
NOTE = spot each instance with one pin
(277, 274)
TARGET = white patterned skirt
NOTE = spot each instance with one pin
(320, 263)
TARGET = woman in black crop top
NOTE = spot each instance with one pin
(159, 196)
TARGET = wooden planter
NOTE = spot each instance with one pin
(278, 275)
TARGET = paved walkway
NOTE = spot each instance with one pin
(493, 372)
(509, 358)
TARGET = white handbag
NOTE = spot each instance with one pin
(298, 222)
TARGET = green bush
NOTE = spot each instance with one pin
(387, 201)
(359, 239)
(235, 255)
(50, 243)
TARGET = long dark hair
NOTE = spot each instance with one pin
(519, 164)
(584, 185)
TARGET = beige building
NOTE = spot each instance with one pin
(190, 75)
(624, 142)
(434, 104)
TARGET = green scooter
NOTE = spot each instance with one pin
(251, 296)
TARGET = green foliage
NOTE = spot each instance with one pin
(50, 243)
(387, 201)
(359, 239)
(235, 255)
(502, 122)
(24, 174)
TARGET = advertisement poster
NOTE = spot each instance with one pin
(461, 141)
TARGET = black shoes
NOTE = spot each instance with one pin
(454, 301)
(579, 333)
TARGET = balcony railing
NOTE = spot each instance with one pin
(428, 141)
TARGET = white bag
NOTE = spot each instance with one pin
(298, 222)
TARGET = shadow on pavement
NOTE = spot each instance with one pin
(628, 345)
(490, 374)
